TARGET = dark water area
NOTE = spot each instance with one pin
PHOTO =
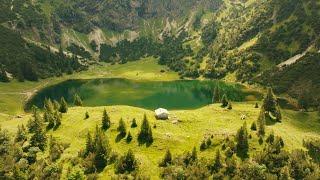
(182, 94)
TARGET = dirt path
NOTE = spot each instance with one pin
(295, 58)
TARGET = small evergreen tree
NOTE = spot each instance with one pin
(209, 142)
(253, 126)
(167, 160)
(224, 101)
(122, 128)
(89, 145)
(134, 123)
(261, 122)
(271, 107)
(106, 123)
(86, 115)
(229, 106)
(260, 140)
(57, 117)
(203, 145)
(242, 145)
(129, 137)
(270, 138)
(77, 100)
(56, 105)
(145, 134)
(127, 163)
(217, 163)
(256, 106)
(194, 154)
(21, 135)
(48, 105)
(63, 106)
(39, 139)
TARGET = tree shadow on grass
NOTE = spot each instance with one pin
(120, 136)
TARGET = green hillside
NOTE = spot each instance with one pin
(223, 89)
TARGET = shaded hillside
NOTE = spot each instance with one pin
(26, 61)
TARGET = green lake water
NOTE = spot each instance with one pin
(182, 94)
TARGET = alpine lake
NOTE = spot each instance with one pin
(173, 95)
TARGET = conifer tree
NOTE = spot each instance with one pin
(56, 105)
(63, 106)
(106, 123)
(21, 135)
(48, 105)
(167, 159)
(57, 118)
(38, 139)
(217, 163)
(77, 100)
(127, 163)
(271, 107)
(253, 126)
(129, 137)
(242, 145)
(101, 149)
(122, 128)
(256, 106)
(145, 134)
(36, 122)
(229, 106)
(203, 145)
(209, 142)
(194, 154)
(224, 101)
(86, 115)
(134, 123)
(89, 145)
(261, 122)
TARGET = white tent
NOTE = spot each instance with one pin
(162, 113)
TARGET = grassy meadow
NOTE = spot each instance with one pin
(191, 128)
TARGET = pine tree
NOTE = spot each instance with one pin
(167, 159)
(242, 141)
(224, 101)
(21, 135)
(57, 118)
(129, 137)
(77, 100)
(63, 106)
(102, 149)
(134, 123)
(194, 154)
(209, 142)
(256, 106)
(216, 95)
(86, 115)
(145, 134)
(38, 139)
(106, 123)
(36, 122)
(56, 105)
(261, 122)
(253, 126)
(48, 105)
(89, 145)
(217, 164)
(271, 107)
(203, 145)
(122, 128)
(127, 163)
